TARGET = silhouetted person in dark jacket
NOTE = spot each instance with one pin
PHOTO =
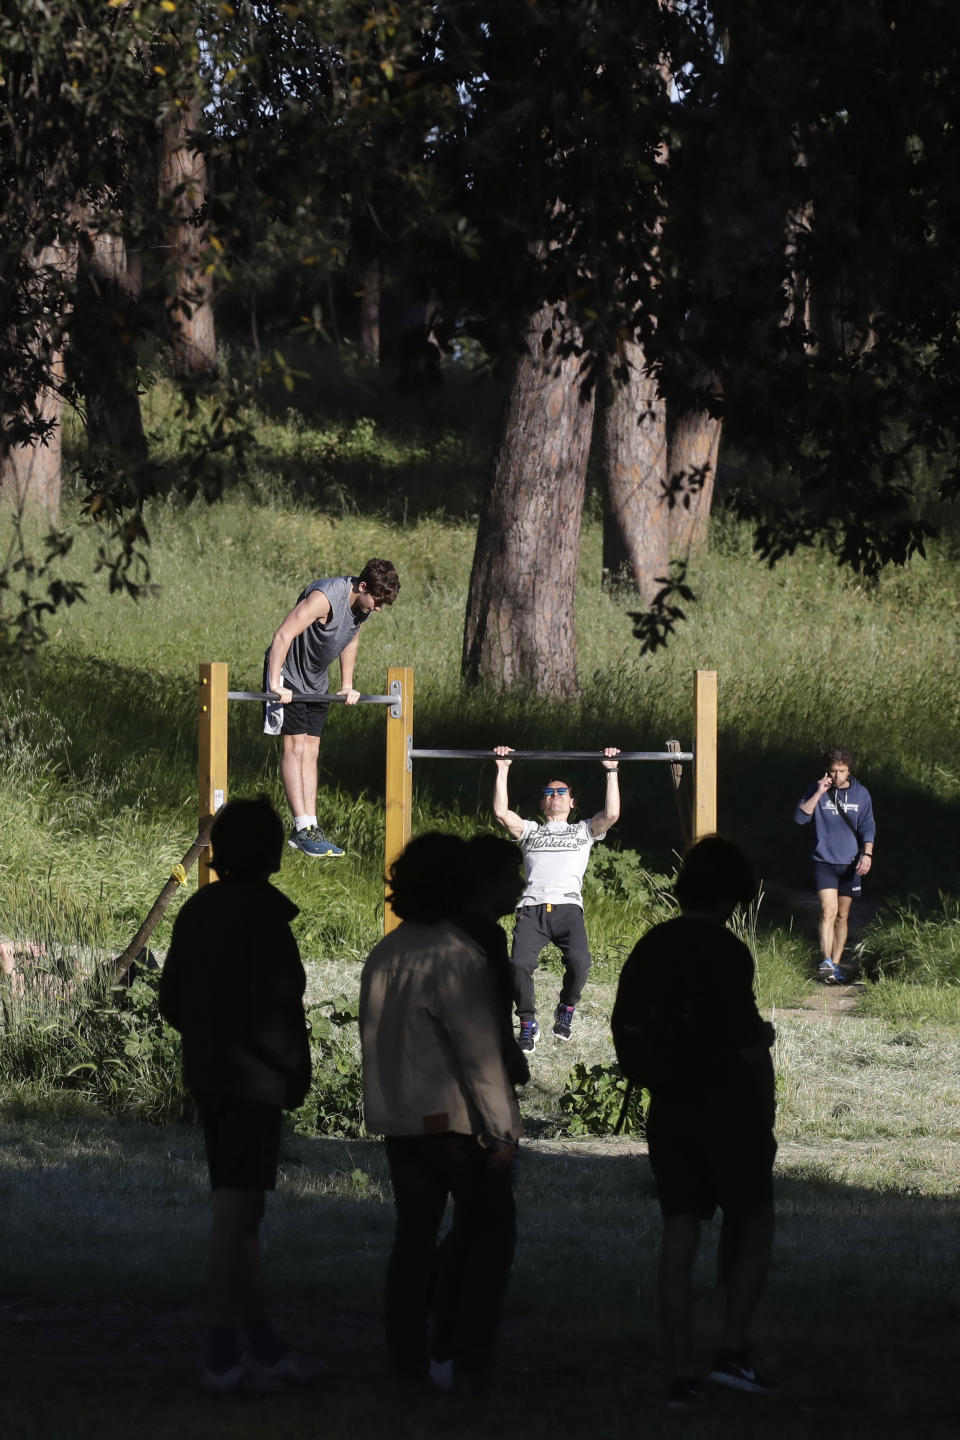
(686, 1027)
(233, 986)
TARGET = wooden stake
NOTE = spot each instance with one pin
(399, 783)
(212, 753)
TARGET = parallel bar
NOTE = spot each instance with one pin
(212, 748)
(670, 755)
(705, 745)
(312, 699)
(399, 778)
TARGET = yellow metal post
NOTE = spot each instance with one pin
(399, 787)
(705, 754)
(212, 752)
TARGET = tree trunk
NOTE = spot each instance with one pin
(369, 291)
(30, 473)
(183, 180)
(519, 628)
(694, 444)
(636, 534)
(105, 331)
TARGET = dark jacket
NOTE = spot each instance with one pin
(685, 1013)
(233, 985)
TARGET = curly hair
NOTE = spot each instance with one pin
(381, 580)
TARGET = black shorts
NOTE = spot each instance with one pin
(702, 1161)
(298, 718)
(842, 878)
(242, 1139)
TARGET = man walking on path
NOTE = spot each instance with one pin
(555, 857)
(323, 626)
(843, 834)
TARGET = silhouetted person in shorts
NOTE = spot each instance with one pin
(686, 1027)
(436, 1085)
(233, 986)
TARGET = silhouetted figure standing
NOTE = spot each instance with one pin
(233, 986)
(436, 1086)
(686, 1027)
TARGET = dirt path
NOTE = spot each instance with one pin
(828, 1003)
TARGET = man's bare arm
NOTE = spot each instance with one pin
(510, 821)
(610, 813)
(316, 606)
(348, 659)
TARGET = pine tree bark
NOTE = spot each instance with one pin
(636, 534)
(692, 452)
(183, 180)
(519, 631)
(105, 331)
(369, 291)
(30, 473)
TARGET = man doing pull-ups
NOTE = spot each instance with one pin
(555, 856)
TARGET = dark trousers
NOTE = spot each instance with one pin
(463, 1282)
(537, 926)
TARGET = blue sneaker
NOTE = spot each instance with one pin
(529, 1035)
(831, 974)
(312, 841)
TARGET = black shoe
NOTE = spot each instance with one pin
(562, 1021)
(733, 1369)
(529, 1035)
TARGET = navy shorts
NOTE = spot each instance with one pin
(242, 1139)
(702, 1161)
(842, 878)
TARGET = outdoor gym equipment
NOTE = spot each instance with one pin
(213, 703)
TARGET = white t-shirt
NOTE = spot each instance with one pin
(555, 859)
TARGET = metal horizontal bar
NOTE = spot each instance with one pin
(671, 755)
(314, 699)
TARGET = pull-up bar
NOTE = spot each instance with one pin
(312, 699)
(214, 697)
(670, 755)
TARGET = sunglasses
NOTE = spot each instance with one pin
(555, 790)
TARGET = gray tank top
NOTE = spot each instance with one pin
(311, 654)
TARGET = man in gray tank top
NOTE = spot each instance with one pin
(323, 626)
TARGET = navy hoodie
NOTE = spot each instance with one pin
(834, 840)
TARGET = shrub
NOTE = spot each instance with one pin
(596, 1096)
(334, 1105)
